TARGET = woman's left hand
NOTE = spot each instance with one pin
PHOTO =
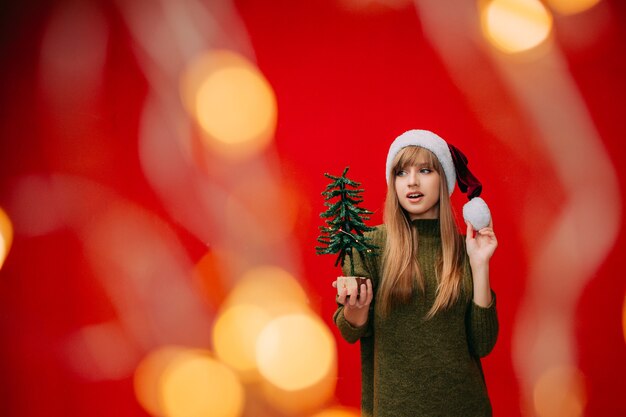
(481, 244)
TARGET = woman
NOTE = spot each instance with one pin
(427, 313)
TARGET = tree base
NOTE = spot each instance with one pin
(349, 283)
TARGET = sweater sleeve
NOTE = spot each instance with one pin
(482, 327)
(349, 332)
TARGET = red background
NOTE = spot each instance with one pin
(346, 84)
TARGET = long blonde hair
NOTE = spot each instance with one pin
(400, 265)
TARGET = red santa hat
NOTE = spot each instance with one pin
(454, 164)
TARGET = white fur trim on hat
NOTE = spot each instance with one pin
(428, 140)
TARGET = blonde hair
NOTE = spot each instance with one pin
(400, 265)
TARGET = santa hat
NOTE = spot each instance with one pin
(454, 165)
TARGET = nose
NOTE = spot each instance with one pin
(413, 178)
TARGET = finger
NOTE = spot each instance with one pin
(352, 294)
(335, 284)
(341, 299)
(469, 234)
(362, 295)
(370, 292)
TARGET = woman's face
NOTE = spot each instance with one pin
(417, 189)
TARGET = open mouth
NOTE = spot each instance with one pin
(413, 196)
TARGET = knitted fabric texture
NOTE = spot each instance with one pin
(414, 367)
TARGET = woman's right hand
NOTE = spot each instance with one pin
(356, 304)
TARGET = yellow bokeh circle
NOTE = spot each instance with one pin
(148, 375)
(196, 385)
(295, 351)
(232, 101)
(338, 412)
(235, 335)
(560, 392)
(515, 26)
(270, 288)
(570, 7)
(6, 236)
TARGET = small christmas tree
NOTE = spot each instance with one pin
(344, 221)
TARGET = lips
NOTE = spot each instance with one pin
(414, 195)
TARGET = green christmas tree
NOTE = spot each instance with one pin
(344, 221)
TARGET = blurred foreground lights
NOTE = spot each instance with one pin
(297, 358)
(272, 289)
(232, 102)
(515, 26)
(177, 382)
(295, 351)
(560, 392)
(569, 7)
(148, 375)
(338, 412)
(6, 236)
(235, 335)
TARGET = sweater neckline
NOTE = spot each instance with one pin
(426, 227)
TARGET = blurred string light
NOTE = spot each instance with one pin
(270, 288)
(231, 101)
(570, 7)
(560, 392)
(6, 236)
(177, 382)
(235, 335)
(268, 334)
(196, 385)
(338, 412)
(515, 26)
(148, 375)
(295, 351)
(297, 357)
(262, 294)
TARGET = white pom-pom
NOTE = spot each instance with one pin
(477, 213)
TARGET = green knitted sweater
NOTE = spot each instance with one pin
(414, 367)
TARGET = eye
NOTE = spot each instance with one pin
(400, 173)
(425, 171)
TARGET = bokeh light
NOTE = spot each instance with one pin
(232, 102)
(516, 25)
(196, 385)
(338, 412)
(235, 336)
(6, 236)
(569, 7)
(270, 288)
(560, 392)
(297, 357)
(148, 375)
(295, 351)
